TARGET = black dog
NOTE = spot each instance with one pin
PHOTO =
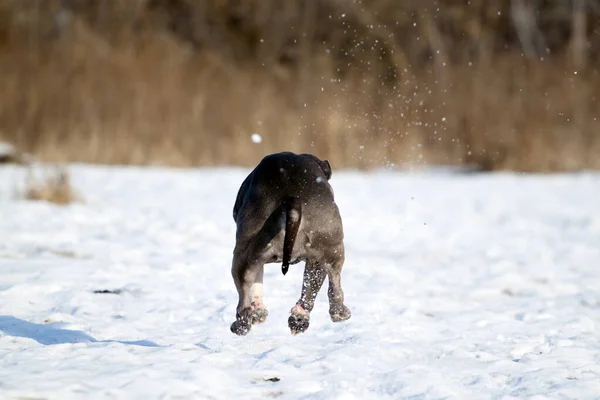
(285, 212)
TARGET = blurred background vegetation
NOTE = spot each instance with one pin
(496, 85)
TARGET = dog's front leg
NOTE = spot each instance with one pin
(244, 276)
(314, 275)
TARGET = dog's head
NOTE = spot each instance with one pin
(324, 164)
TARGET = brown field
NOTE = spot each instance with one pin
(506, 85)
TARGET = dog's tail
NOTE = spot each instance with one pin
(293, 215)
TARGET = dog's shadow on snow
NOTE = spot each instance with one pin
(52, 333)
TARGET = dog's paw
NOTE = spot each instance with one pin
(240, 328)
(339, 313)
(298, 323)
(299, 320)
(258, 315)
(243, 322)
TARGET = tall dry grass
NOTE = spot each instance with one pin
(365, 84)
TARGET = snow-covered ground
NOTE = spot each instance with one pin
(462, 286)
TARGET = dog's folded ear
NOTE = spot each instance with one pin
(324, 164)
(326, 167)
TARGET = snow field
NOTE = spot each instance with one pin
(460, 285)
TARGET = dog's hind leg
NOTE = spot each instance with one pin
(314, 275)
(244, 276)
(337, 310)
(259, 312)
(249, 257)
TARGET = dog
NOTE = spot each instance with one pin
(285, 212)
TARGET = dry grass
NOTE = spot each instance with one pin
(186, 83)
(53, 187)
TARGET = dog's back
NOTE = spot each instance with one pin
(281, 175)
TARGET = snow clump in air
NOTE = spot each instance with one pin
(256, 138)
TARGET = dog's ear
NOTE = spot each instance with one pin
(324, 164)
(326, 167)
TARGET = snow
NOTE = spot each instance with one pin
(256, 138)
(460, 285)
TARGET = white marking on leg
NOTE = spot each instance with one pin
(256, 294)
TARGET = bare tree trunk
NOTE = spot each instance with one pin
(579, 35)
(579, 61)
